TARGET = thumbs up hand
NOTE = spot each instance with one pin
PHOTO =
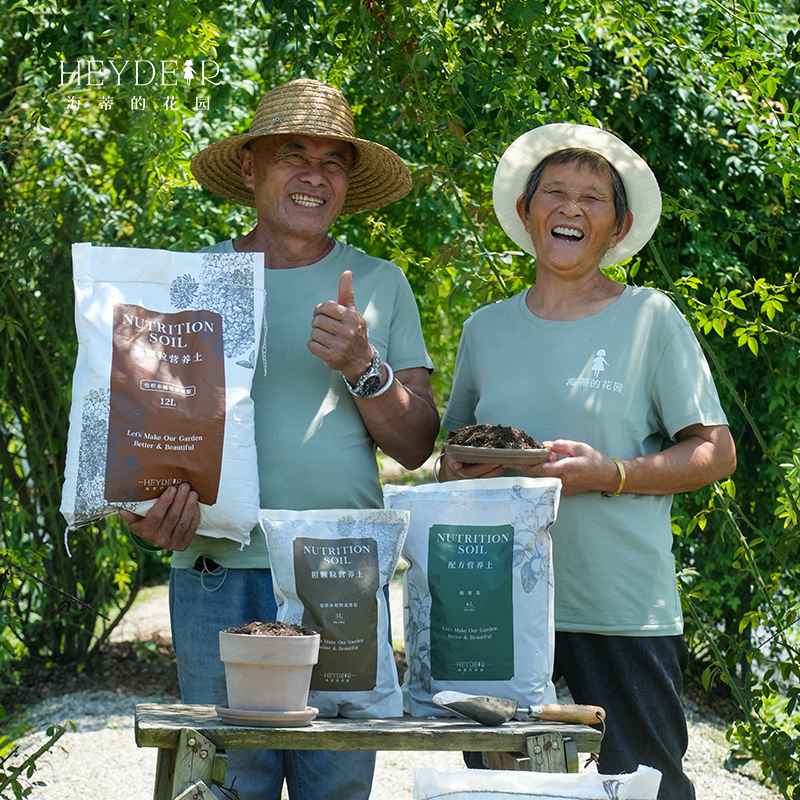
(346, 298)
(339, 333)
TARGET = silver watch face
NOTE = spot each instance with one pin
(370, 385)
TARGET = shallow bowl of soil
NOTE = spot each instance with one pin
(268, 667)
(495, 444)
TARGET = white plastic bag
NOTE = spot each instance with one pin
(329, 570)
(478, 593)
(167, 348)
(480, 784)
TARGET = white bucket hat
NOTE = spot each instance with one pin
(525, 153)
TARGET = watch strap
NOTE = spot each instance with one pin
(363, 387)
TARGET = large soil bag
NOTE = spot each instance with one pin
(478, 592)
(329, 572)
(479, 784)
(167, 348)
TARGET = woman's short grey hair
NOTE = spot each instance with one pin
(585, 158)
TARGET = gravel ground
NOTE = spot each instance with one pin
(100, 759)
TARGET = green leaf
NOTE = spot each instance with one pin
(706, 678)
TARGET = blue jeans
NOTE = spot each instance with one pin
(203, 603)
(637, 680)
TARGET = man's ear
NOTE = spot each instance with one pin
(246, 162)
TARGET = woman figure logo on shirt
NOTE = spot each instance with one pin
(599, 364)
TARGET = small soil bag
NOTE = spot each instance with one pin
(478, 593)
(329, 570)
(167, 347)
(468, 784)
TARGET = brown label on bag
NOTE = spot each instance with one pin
(337, 581)
(167, 419)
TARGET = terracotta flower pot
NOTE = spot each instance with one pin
(268, 673)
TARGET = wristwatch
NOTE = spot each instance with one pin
(370, 382)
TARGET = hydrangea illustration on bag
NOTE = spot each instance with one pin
(167, 348)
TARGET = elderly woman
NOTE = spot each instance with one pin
(614, 376)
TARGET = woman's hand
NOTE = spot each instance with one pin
(172, 522)
(452, 470)
(701, 455)
(580, 467)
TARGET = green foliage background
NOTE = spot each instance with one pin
(707, 93)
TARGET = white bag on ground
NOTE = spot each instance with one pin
(478, 784)
(167, 348)
(329, 570)
(478, 593)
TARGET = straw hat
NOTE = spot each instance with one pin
(310, 108)
(525, 153)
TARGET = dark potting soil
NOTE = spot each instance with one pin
(271, 629)
(499, 436)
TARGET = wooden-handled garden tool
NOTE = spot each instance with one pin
(496, 710)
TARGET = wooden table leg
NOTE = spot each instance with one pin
(571, 754)
(547, 753)
(193, 762)
(508, 761)
(197, 791)
(165, 771)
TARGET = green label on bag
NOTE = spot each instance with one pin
(472, 606)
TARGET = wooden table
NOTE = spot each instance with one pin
(189, 738)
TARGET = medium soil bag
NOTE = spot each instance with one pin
(329, 570)
(167, 348)
(478, 592)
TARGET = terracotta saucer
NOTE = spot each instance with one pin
(266, 719)
(497, 455)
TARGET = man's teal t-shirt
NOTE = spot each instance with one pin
(313, 448)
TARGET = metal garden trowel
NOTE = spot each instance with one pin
(496, 710)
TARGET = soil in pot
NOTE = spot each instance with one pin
(271, 629)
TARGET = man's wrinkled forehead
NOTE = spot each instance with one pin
(284, 143)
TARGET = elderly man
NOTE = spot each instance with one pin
(322, 405)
